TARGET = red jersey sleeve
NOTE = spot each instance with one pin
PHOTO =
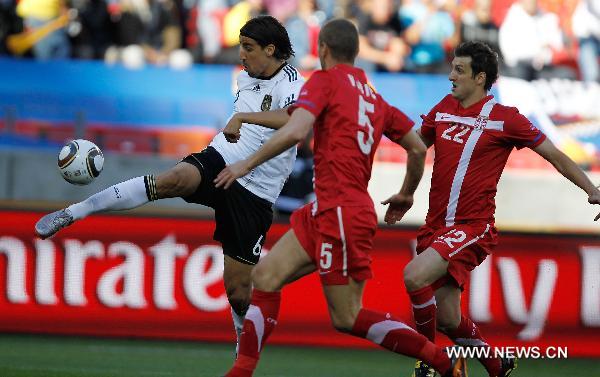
(428, 124)
(521, 133)
(314, 95)
(397, 124)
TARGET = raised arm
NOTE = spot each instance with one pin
(274, 119)
(569, 170)
(295, 130)
(401, 202)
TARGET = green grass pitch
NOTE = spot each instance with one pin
(48, 356)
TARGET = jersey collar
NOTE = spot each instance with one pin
(274, 73)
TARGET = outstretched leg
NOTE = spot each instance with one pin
(181, 180)
(344, 303)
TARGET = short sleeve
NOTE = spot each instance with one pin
(314, 95)
(428, 124)
(521, 133)
(397, 124)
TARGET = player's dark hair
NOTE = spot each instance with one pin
(341, 37)
(483, 59)
(266, 30)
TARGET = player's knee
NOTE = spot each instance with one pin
(179, 181)
(238, 300)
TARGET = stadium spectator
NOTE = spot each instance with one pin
(473, 137)
(334, 234)
(37, 13)
(586, 27)
(91, 37)
(243, 214)
(477, 25)
(530, 40)
(429, 28)
(237, 16)
(147, 31)
(10, 23)
(210, 14)
(380, 30)
(303, 28)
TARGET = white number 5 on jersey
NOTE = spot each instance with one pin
(365, 137)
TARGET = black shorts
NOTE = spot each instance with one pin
(242, 218)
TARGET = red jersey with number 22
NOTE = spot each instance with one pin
(351, 118)
(472, 146)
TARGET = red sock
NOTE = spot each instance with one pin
(468, 335)
(260, 321)
(396, 336)
(423, 306)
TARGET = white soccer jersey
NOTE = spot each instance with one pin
(254, 95)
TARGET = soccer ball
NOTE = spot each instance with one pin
(80, 162)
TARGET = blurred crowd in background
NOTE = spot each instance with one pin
(535, 38)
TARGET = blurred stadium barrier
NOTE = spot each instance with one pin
(159, 277)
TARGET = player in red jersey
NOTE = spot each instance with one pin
(473, 137)
(334, 235)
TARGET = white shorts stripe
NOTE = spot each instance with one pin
(379, 330)
(487, 228)
(343, 237)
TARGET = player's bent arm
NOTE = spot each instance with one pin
(428, 142)
(565, 166)
(294, 131)
(274, 119)
(415, 164)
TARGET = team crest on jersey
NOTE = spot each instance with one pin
(266, 103)
(481, 122)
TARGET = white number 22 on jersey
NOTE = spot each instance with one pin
(365, 137)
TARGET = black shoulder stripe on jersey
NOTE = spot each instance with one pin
(291, 73)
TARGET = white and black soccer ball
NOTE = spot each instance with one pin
(80, 162)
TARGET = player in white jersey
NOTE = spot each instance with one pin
(243, 213)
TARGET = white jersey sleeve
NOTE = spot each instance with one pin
(254, 94)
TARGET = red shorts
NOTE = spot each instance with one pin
(338, 241)
(464, 246)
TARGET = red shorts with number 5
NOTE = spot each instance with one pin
(464, 246)
(338, 240)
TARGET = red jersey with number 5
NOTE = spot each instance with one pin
(472, 146)
(351, 118)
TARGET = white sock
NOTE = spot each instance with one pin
(238, 325)
(125, 195)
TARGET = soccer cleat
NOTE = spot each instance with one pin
(48, 225)
(509, 364)
(423, 370)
